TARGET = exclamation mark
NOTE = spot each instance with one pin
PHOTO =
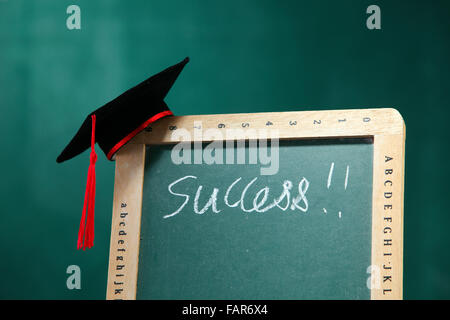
(346, 177)
(330, 175)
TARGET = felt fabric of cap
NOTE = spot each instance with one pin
(112, 126)
(122, 118)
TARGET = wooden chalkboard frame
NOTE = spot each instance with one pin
(384, 125)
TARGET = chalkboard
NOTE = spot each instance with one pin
(317, 249)
(314, 213)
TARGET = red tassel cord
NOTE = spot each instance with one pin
(86, 231)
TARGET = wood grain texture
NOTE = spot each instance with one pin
(387, 217)
(126, 222)
(309, 124)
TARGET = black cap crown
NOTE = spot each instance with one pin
(122, 118)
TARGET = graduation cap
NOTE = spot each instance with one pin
(112, 126)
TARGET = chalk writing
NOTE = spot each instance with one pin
(284, 201)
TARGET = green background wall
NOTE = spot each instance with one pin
(246, 56)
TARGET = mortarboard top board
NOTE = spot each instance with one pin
(112, 126)
(121, 119)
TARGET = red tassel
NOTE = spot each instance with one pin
(86, 231)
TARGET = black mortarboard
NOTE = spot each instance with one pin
(112, 126)
(122, 118)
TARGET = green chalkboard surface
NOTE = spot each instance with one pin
(206, 232)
